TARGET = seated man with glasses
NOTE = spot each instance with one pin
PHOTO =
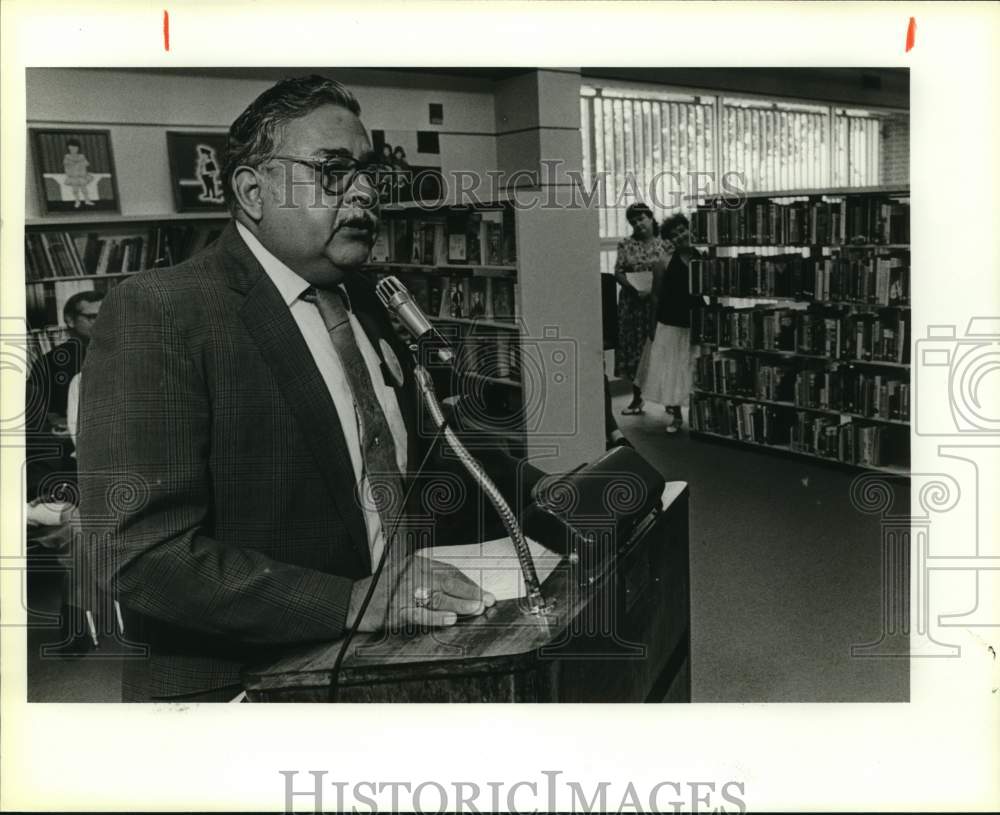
(248, 421)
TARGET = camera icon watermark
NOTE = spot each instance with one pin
(547, 369)
(511, 384)
(965, 371)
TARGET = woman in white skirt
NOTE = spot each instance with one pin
(664, 373)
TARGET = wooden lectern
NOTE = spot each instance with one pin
(619, 631)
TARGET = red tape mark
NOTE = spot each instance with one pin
(911, 33)
(166, 31)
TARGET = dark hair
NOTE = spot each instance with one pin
(399, 150)
(671, 223)
(637, 209)
(72, 308)
(74, 143)
(254, 134)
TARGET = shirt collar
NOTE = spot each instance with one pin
(290, 286)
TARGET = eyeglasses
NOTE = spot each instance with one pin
(337, 174)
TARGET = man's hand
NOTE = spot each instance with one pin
(420, 591)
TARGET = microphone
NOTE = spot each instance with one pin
(398, 300)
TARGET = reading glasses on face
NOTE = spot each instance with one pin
(337, 174)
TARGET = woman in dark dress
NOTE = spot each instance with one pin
(665, 368)
(637, 257)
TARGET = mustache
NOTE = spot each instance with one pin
(359, 219)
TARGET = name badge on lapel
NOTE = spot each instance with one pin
(392, 370)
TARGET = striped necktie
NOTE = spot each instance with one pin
(378, 448)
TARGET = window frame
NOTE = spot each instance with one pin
(832, 111)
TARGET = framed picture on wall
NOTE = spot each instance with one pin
(75, 170)
(196, 170)
(413, 161)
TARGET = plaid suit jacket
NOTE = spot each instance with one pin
(216, 488)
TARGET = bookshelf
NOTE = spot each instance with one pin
(805, 346)
(67, 254)
(460, 264)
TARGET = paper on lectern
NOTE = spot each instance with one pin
(493, 564)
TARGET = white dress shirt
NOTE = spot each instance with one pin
(310, 323)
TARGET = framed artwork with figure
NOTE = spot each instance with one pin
(196, 170)
(75, 170)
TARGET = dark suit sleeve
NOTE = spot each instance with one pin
(146, 493)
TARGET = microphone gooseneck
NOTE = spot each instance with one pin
(399, 301)
(537, 603)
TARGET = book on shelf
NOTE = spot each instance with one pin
(416, 243)
(456, 239)
(500, 354)
(438, 253)
(53, 254)
(484, 352)
(872, 279)
(745, 421)
(841, 388)
(848, 441)
(877, 220)
(850, 390)
(839, 438)
(464, 239)
(435, 244)
(473, 238)
(472, 354)
(171, 244)
(40, 306)
(492, 237)
(502, 305)
(876, 336)
(65, 254)
(436, 286)
(468, 237)
(501, 358)
(424, 248)
(36, 264)
(514, 357)
(118, 254)
(422, 243)
(400, 233)
(381, 248)
(509, 240)
(776, 383)
(454, 297)
(865, 218)
(480, 302)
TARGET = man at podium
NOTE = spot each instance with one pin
(248, 420)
